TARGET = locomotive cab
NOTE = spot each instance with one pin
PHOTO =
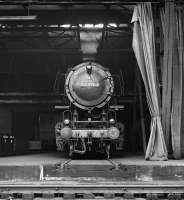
(89, 123)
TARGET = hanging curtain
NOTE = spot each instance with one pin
(180, 50)
(167, 20)
(144, 49)
(176, 114)
(173, 63)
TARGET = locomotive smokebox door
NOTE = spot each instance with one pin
(89, 85)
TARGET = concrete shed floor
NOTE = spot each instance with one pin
(126, 168)
(56, 157)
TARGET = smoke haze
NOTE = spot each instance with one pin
(89, 44)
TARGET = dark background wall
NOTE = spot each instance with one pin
(31, 57)
(29, 71)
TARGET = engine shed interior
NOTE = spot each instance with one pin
(91, 99)
(41, 40)
(34, 52)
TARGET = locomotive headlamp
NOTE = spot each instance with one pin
(89, 69)
(113, 133)
(66, 122)
(112, 121)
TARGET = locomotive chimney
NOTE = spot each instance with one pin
(89, 41)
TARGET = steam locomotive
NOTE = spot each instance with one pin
(89, 122)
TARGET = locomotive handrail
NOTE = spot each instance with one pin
(90, 121)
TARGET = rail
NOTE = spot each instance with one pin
(84, 191)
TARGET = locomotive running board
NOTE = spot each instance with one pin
(117, 107)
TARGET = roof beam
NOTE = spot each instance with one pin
(71, 3)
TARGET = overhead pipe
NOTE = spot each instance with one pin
(18, 18)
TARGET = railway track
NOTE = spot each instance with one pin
(52, 190)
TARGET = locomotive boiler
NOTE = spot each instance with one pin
(89, 122)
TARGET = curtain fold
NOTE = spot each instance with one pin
(144, 49)
(176, 113)
(167, 20)
(180, 42)
(173, 64)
